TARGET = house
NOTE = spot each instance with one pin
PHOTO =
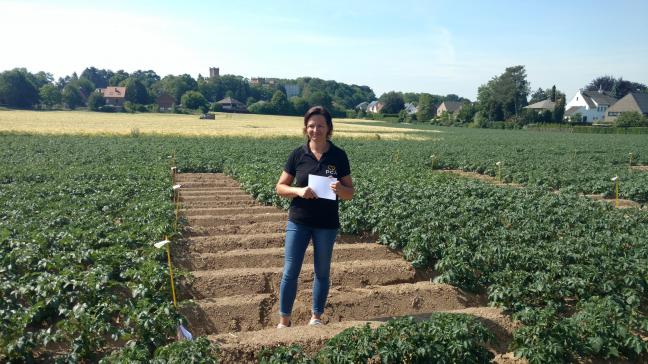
(292, 89)
(232, 105)
(591, 105)
(114, 96)
(631, 102)
(374, 107)
(165, 102)
(362, 106)
(410, 108)
(449, 106)
(542, 106)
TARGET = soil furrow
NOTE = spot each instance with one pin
(233, 248)
(237, 281)
(273, 257)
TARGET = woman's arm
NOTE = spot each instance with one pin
(343, 188)
(284, 188)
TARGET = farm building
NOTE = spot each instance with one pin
(165, 102)
(115, 96)
(591, 105)
(232, 105)
(449, 106)
(631, 102)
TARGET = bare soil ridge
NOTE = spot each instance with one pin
(233, 248)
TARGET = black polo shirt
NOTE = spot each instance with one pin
(318, 212)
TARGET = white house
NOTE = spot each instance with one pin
(410, 108)
(591, 105)
(374, 107)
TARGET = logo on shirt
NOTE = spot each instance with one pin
(330, 170)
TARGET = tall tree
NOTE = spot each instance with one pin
(538, 95)
(504, 95)
(99, 77)
(136, 92)
(426, 108)
(280, 103)
(50, 95)
(17, 90)
(72, 96)
(392, 102)
(617, 87)
(559, 110)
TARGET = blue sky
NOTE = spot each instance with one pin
(439, 47)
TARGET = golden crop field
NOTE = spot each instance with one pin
(250, 125)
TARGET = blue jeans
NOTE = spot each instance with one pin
(297, 238)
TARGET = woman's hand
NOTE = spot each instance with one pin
(343, 188)
(307, 193)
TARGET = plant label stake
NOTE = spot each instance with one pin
(182, 331)
(615, 179)
(499, 171)
(176, 202)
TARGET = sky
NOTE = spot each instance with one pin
(439, 47)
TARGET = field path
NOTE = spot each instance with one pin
(233, 247)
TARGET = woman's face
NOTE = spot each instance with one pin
(316, 128)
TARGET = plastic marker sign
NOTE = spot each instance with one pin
(183, 333)
(615, 178)
(175, 187)
(160, 244)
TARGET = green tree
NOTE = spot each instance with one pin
(280, 103)
(320, 98)
(392, 102)
(96, 101)
(631, 119)
(118, 77)
(466, 113)
(136, 92)
(538, 95)
(50, 95)
(426, 109)
(72, 96)
(559, 110)
(193, 100)
(504, 95)
(98, 77)
(16, 89)
(299, 105)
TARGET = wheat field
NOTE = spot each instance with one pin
(249, 125)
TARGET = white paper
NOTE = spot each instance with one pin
(322, 186)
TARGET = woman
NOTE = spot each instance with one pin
(311, 217)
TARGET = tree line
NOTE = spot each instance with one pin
(20, 88)
(500, 100)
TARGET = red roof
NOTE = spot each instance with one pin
(114, 92)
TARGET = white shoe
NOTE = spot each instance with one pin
(315, 322)
(282, 326)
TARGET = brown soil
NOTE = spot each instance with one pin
(640, 168)
(623, 204)
(481, 177)
(233, 249)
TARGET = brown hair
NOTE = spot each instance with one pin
(319, 110)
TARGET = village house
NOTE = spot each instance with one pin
(114, 96)
(374, 107)
(591, 105)
(542, 106)
(410, 108)
(631, 102)
(232, 105)
(450, 107)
